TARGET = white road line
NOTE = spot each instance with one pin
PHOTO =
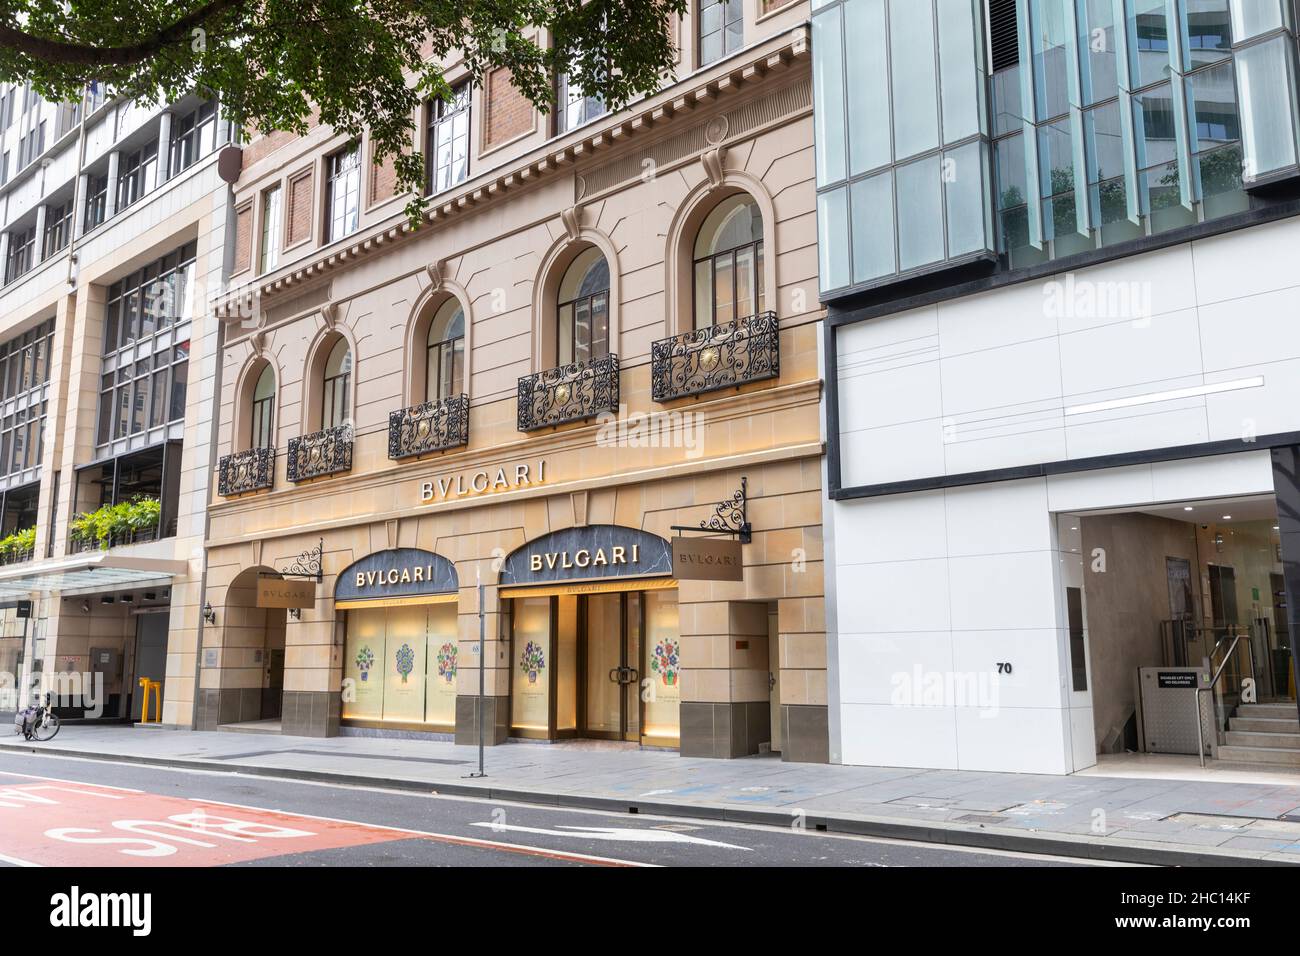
(444, 837)
(83, 783)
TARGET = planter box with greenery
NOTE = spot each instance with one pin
(116, 524)
(18, 546)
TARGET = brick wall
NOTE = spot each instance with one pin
(508, 112)
(243, 237)
(383, 178)
(298, 208)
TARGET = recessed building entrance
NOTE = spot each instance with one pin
(603, 666)
(1182, 605)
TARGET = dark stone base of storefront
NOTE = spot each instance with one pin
(228, 705)
(303, 713)
(805, 733)
(497, 710)
(311, 713)
(725, 730)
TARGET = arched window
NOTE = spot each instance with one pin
(445, 357)
(583, 309)
(263, 409)
(338, 380)
(729, 263)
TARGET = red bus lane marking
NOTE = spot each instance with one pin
(57, 823)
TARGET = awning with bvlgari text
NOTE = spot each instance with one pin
(88, 573)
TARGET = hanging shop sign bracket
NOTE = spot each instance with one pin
(309, 564)
(730, 516)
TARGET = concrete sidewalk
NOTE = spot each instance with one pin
(1115, 818)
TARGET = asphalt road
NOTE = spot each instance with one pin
(58, 811)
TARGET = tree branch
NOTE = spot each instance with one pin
(58, 51)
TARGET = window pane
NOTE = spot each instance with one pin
(1048, 35)
(961, 83)
(964, 196)
(180, 375)
(1097, 50)
(867, 74)
(1252, 18)
(744, 282)
(1267, 119)
(833, 238)
(1153, 119)
(1212, 107)
(828, 83)
(872, 203)
(919, 242)
(913, 80)
(723, 303)
(1148, 36)
(565, 334)
(1207, 35)
(703, 294)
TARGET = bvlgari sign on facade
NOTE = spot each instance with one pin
(707, 559)
(468, 484)
(285, 592)
(589, 553)
(396, 573)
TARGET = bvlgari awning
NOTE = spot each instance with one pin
(88, 573)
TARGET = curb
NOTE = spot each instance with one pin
(943, 833)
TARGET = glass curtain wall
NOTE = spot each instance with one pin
(1121, 119)
(902, 138)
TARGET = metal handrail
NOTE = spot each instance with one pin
(1213, 683)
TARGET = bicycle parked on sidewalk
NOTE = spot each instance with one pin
(37, 722)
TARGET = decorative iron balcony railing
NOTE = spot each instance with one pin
(569, 393)
(245, 471)
(326, 452)
(432, 426)
(721, 356)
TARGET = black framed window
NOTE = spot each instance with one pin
(582, 309)
(729, 263)
(24, 373)
(146, 375)
(136, 173)
(272, 229)
(343, 192)
(58, 228)
(449, 139)
(263, 410)
(31, 145)
(191, 133)
(445, 355)
(337, 383)
(22, 249)
(575, 107)
(722, 29)
(96, 199)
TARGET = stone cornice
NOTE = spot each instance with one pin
(767, 59)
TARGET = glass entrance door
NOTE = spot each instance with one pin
(612, 674)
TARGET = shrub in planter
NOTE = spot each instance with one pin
(19, 545)
(116, 523)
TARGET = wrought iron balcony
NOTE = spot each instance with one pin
(432, 426)
(569, 393)
(245, 471)
(721, 356)
(326, 452)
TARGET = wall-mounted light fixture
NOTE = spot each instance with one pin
(209, 615)
(295, 613)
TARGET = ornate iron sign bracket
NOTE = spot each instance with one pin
(309, 564)
(730, 516)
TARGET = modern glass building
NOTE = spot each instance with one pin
(1055, 242)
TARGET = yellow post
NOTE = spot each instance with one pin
(154, 688)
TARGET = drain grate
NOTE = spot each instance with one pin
(980, 818)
